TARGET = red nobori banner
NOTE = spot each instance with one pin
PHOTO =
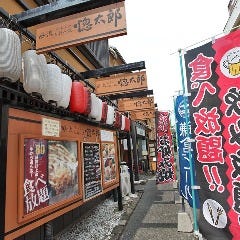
(213, 72)
(165, 160)
(227, 58)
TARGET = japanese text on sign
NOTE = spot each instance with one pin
(207, 122)
(165, 160)
(36, 193)
(92, 169)
(121, 83)
(136, 104)
(184, 133)
(50, 127)
(95, 24)
(141, 115)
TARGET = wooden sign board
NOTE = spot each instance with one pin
(100, 23)
(142, 115)
(152, 125)
(136, 104)
(67, 170)
(121, 83)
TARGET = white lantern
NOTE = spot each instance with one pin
(110, 115)
(96, 109)
(10, 52)
(94, 106)
(66, 91)
(34, 72)
(53, 90)
(123, 123)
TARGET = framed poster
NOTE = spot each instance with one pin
(109, 162)
(92, 174)
(49, 174)
(62, 170)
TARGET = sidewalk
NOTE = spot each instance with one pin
(156, 215)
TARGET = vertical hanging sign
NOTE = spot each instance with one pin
(213, 72)
(227, 58)
(165, 160)
(36, 192)
(183, 130)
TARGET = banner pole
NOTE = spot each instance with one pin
(178, 165)
(196, 230)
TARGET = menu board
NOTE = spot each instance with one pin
(92, 169)
(50, 172)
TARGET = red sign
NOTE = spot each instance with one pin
(228, 71)
(165, 160)
(213, 72)
(36, 195)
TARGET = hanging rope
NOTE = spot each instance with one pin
(204, 40)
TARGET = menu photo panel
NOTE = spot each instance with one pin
(49, 174)
(109, 162)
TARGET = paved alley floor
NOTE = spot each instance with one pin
(155, 216)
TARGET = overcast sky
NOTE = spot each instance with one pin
(158, 28)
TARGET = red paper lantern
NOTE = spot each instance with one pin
(118, 120)
(104, 112)
(127, 124)
(87, 99)
(80, 101)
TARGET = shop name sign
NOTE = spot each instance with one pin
(136, 104)
(121, 83)
(142, 115)
(100, 23)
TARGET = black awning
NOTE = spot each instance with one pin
(58, 9)
(142, 93)
(104, 72)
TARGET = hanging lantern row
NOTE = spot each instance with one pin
(48, 81)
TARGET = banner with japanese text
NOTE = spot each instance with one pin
(213, 72)
(228, 70)
(50, 172)
(165, 159)
(36, 192)
(185, 151)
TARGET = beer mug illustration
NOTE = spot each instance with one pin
(232, 62)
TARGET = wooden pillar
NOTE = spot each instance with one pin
(3, 164)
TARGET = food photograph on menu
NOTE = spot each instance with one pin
(108, 155)
(50, 172)
(62, 170)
